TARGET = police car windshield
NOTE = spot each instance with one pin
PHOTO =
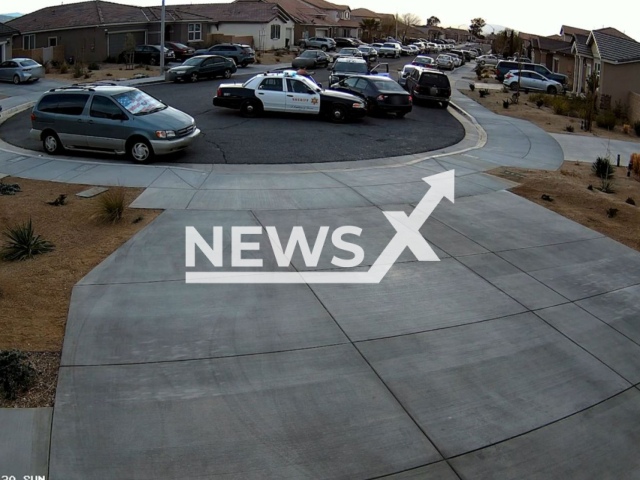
(137, 102)
(353, 67)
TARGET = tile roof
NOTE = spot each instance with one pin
(324, 5)
(304, 13)
(615, 32)
(79, 15)
(567, 30)
(6, 30)
(580, 42)
(615, 49)
(366, 13)
(553, 45)
(249, 12)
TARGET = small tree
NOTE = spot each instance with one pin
(129, 51)
(408, 21)
(591, 99)
(433, 21)
(368, 26)
(477, 24)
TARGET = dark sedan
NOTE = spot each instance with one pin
(382, 94)
(202, 66)
(149, 54)
(311, 59)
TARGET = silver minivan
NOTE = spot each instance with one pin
(110, 119)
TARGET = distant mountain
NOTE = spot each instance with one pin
(5, 17)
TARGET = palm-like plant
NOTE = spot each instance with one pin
(368, 26)
(22, 243)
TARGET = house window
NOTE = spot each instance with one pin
(275, 32)
(53, 41)
(28, 42)
(195, 32)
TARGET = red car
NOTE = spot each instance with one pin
(180, 50)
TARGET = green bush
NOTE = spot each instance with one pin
(560, 106)
(93, 66)
(16, 373)
(22, 243)
(602, 168)
(606, 120)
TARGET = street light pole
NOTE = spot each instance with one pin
(162, 40)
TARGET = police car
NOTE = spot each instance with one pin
(288, 92)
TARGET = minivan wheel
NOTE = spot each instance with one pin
(227, 73)
(51, 143)
(193, 77)
(140, 150)
(16, 79)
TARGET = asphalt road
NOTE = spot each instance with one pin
(278, 138)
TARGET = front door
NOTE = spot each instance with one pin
(272, 95)
(106, 127)
(300, 98)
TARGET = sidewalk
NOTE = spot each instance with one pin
(517, 353)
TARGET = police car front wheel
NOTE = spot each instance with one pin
(338, 114)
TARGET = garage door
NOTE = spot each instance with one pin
(117, 40)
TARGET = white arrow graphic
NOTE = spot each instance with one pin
(407, 236)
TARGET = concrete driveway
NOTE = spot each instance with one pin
(517, 355)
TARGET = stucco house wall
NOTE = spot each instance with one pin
(618, 80)
(260, 32)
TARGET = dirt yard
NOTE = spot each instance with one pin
(543, 117)
(35, 294)
(107, 72)
(269, 58)
(568, 187)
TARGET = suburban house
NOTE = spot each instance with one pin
(567, 32)
(459, 35)
(96, 30)
(6, 39)
(554, 54)
(615, 58)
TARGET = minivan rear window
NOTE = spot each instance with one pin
(64, 104)
(435, 79)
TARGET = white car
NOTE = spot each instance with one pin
(456, 59)
(531, 81)
(376, 47)
(404, 73)
(389, 49)
(415, 50)
(421, 46)
(487, 60)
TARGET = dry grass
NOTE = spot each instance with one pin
(571, 198)
(544, 117)
(107, 72)
(36, 293)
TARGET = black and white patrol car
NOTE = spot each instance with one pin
(288, 92)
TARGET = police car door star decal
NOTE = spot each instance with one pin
(407, 235)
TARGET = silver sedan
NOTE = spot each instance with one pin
(21, 70)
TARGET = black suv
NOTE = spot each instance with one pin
(243, 55)
(429, 84)
(342, 42)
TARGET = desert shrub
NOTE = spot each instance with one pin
(560, 106)
(22, 243)
(606, 185)
(541, 99)
(606, 120)
(64, 68)
(93, 66)
(626, 129)
(602, 168)
(47, 67)
(472, 86)
(630, 201)
(16, 373)
(621, 110)
(110, 206)
(78, 70)
(635, 163)
(9, 188)
(636, 127)
(569, 128)
(612, 212)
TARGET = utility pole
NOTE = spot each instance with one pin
(162, 40)
(396, 37)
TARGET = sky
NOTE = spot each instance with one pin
(542, 18)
